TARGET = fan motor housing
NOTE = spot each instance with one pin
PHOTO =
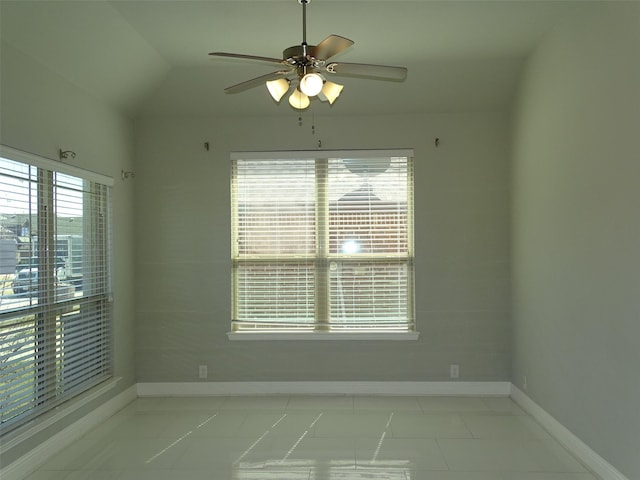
(296, 55)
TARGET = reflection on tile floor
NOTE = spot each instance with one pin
(320, 438)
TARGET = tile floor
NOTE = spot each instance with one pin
(320, 438)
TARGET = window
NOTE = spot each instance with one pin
(55, 310)
(322, 243)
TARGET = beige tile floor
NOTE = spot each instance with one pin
(320, 438)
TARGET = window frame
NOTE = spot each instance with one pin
(322, 254)
(78, 322)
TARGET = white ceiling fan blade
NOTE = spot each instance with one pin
(387, 72)
(248, 57)
(254, 82)
(330, 46)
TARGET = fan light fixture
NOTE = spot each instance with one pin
(311, 84)
(299, 100)
(277, 88)
(330, 91)
(306, 67)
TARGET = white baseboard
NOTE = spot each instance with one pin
(323, 388)
(31, 461)
(577, 447)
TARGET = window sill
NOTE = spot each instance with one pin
(355, 336)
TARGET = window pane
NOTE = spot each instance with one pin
(274, 207)
(17, 369)
(18, 210)
(273, 294)
(368, 211)
(369, 294)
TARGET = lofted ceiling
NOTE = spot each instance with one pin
(150, 57)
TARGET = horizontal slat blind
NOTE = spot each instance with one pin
(322, 243)
(274, 202)
(55, 315)
(369, 224)
(275, 294)
(370, 295)
(368, 206)
(274, 222)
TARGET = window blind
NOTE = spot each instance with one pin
(322, 243)
(55, 315)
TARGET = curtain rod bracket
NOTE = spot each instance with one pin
(66, 154)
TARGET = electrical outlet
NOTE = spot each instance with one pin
(454, 370)
(203, 371)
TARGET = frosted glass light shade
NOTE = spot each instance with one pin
(330, 91)
(299, 100)
(277, 88)
(311, 84)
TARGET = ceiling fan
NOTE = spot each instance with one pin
(304, 67)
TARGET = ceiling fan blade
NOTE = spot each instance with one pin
(247, 57)
(367, 70)
(254, 82)
(331, 46)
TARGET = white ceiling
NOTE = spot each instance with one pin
(150, 57)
